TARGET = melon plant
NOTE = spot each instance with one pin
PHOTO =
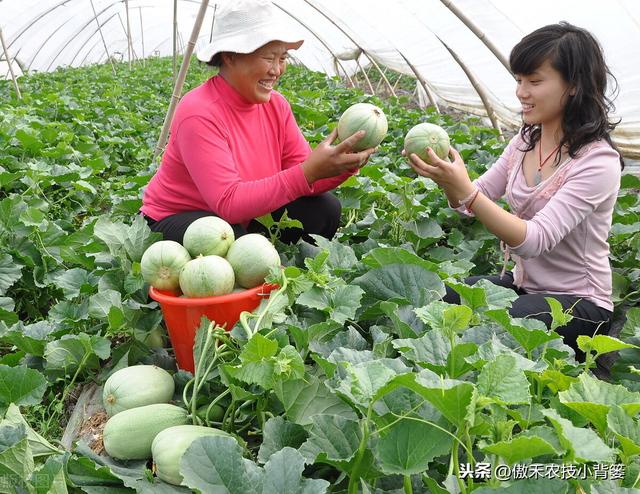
(136, 386)
(208, 236)
(169, 446)
(367, 117)
(425, 135)
(252, 256)
(129, 434)
(162, 262)
(207, 276)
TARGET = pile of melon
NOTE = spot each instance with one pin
(210, 261)
(143, 424)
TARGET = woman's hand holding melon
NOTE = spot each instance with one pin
(327, 160)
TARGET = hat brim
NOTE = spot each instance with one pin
(242, 43)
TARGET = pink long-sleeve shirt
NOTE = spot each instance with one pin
(237, 159)
(568, 218)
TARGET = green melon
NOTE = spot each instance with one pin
(162, 262)
(252, 256)
(129, 434)
(367, 117)
(169, 446)
(136, 386)
(207, 276)
(426, 135)
(208, 236)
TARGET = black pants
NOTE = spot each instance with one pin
(318, 214)
(587, 316)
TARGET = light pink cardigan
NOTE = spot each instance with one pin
(568, 218)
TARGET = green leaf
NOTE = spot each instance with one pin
(38, 444)
(340, 303)
(101, 303)
(362, 382)
(430, 350)
(409, 446)
(50, 479)
(601, 344)
(448, 318)
(341, 256)
(215, 465)
(406, 283)
(303, 398)
(71, 351)
(21, 385)
(334, 437)
(530, 333)
(16, 461)
(559, 317)
(583, 444)
(283, 475)
(277, 434)
(626, 429)
(72, 281)
(383, 256)
(502, 381)
(10, 272)
(456, 400)
(592, 398)
(520, 448)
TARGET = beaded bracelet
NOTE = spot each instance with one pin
(469, 199)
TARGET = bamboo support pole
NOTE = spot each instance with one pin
(343, 29)
(124, 30)
(213, 21)
(85, 44)
(478, 32)
(430, 96)
(144, 62)
(479, 89)
(366, 77)
(381, 80)
(177, 90)
(106, 50)
(129, 45)
(323, 42)
(9, 63)
(175, 40)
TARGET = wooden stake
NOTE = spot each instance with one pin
(479, 89)
(177, 90)
(175, 40)
(344, 31)
(476, 30)
(6, 57)
(106, 50)
(129, 44)
(144, 62)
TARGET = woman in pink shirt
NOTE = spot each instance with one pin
(235, 150)
(560, 176)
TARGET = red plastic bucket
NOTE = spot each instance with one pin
(182, 315)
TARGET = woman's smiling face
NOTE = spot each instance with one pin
(255, 74)
(543, 95)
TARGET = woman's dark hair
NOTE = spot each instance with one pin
(579, 58)
(216, 60)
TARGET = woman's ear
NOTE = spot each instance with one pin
(572, 91)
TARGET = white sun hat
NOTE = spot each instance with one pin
(243, 26)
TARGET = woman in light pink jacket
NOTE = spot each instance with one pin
(560, 176)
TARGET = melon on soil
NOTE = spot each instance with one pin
(252, 256)
(169, 446)
(136, 386)
(208, 236)
(425, 135)
(367, 117)
(162, 262)
(129, 434)
(207, 276)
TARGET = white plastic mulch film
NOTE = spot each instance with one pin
(414, 37)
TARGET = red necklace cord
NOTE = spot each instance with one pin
(542, 163)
